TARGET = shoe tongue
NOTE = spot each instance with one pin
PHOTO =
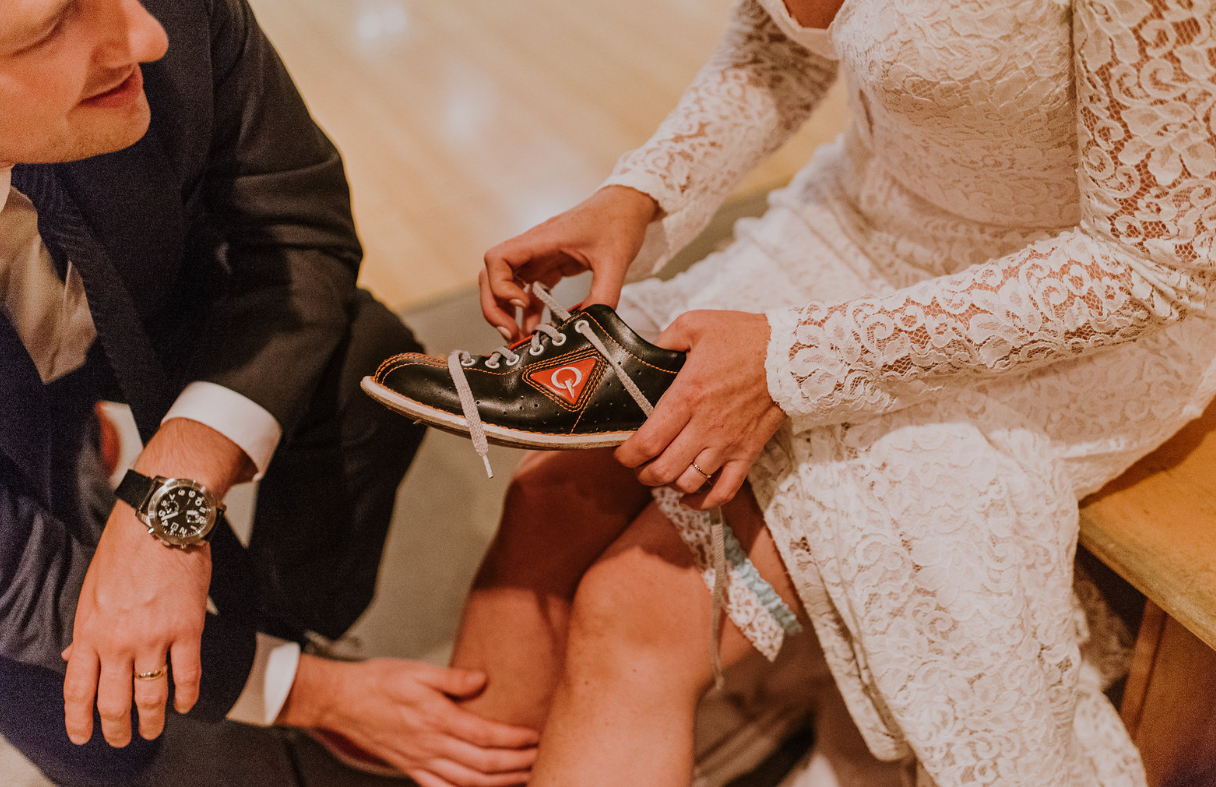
(520, 342)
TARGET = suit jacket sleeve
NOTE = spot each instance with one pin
(42, 567)
(276, 196)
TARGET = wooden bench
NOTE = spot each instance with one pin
(1156, 527)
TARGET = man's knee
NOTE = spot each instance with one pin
(375, 334)
(340, 412)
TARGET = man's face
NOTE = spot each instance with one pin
(70, 82)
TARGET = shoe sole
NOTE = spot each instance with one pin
(498, 435)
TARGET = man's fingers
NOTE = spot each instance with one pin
(151, 694)
(453, 681)
(79, 689)
(186, 673)
(427, 779)
(464, 776)
(488, 734)
(114, 701)
(485, 760)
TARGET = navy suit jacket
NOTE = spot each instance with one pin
(228, 227)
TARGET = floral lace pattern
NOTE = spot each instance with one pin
(987, 299)
(1141, 258)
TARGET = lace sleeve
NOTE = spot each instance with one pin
(1141, 258)
(755, 91)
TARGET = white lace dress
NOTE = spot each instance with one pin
(986, 299)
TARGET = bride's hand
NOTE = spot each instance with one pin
(717, 413)
(602, 234)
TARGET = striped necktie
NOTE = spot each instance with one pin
(119, 327)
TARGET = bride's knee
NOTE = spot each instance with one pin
(634, 609)
(565, 498)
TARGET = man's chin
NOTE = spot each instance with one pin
(116, 133)
(94, 133)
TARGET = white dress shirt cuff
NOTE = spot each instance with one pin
(242, 421)
(270, 680)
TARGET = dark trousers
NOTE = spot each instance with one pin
(321, 519)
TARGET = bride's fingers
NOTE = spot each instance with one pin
(729, 481)
(501, 267)
(698, 476)
(652, 441)
(494, 311)
(531, 314)
(691, 480)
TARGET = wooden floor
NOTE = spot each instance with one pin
(464, 122)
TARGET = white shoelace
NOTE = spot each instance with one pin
(460, 359)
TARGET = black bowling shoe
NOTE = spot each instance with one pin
(555, 390)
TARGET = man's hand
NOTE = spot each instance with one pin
(143, 604)
(717, 413)
(602, 234)
(404, 713)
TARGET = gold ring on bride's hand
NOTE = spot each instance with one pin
(707, 476)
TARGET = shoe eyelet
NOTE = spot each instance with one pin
(467, 362)
(493, 365)
(537, 350)
(559, 340)
(581, 324)
(516, 360)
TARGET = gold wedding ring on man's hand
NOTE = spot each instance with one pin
(155, 674)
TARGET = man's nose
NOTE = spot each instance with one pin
(133, 35)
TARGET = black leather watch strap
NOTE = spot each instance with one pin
(134, 489)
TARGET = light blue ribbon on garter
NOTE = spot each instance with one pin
(759, 585)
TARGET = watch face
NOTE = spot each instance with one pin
(181, 511)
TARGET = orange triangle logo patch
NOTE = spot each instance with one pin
(565, 382)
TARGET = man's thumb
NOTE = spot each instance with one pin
(457, 682)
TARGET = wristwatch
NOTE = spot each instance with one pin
(179, 511)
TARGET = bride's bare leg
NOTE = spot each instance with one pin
(561, 512)
(638, 657)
